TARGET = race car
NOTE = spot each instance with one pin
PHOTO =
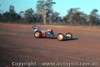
(49, 33)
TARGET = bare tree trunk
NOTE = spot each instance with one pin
(44, 19)
(50, 20)
(91, 23)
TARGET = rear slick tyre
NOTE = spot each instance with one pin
(37, 34)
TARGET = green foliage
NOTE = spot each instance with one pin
(46, 14)
(0, 17)
(94, 17)
(69, 17)
(29, 15)
(44, 7)
(10, 16)
(38, 18)
(76, 17)
(56, 17)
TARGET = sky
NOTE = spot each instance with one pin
(61, 6)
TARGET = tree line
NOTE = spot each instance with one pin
(46, 15)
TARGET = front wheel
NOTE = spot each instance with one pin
(69, 36)
(60, 37)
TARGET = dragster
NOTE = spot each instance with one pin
(49, 33)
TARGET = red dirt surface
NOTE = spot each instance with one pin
(17, 44)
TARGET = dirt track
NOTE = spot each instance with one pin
(17, 44)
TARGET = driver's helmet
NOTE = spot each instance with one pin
(49, 30)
